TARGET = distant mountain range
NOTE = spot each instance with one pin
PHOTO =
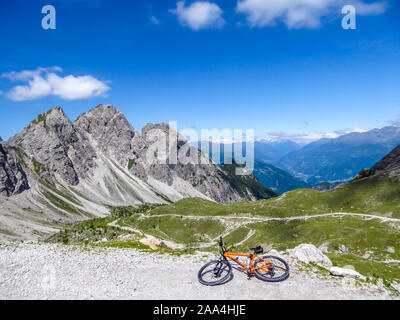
(264, 151)
(268, 175)
(272, 152)
(340, 159)
(373, 191)
(58, 170)
(324, 163)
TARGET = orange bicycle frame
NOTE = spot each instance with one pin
(232, 255)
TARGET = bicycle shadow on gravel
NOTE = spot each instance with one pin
(237, 268)
(226, 281)
(241, 270)
(244, 272)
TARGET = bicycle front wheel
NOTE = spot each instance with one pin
(215, 272)
(271, 268)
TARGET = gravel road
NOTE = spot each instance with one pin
(55, 271)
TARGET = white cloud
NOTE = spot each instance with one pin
(25, 75)
(44, 82)
(199, 15)
(300, 13)
(37, 87)
(73, 88)
(154, 20)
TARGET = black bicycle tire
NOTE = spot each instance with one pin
(278, 279)
(229, 274)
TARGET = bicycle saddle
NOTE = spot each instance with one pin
(258, 249)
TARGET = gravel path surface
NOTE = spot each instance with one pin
(55, 271)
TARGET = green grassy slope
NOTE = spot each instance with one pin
(177, 229)
(377, 195)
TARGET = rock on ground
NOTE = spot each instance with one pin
(342, 272)
(308, 253)
(390, 250)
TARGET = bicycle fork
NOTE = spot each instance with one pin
(218, 269)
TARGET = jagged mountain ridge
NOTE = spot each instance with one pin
(58, 170)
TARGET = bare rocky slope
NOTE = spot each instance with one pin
(56, 170)
(388, 166)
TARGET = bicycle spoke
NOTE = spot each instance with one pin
(271, 268)
(278, 267)
(215, 272)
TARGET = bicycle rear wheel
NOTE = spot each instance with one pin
(271, 268)
(215, 272)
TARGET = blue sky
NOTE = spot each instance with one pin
(228, 64)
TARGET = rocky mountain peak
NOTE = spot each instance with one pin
(52, 145)
(149, 126)
(104, 112)
(111, 131)
(103, 119)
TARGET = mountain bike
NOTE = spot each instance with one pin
(267, 268)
